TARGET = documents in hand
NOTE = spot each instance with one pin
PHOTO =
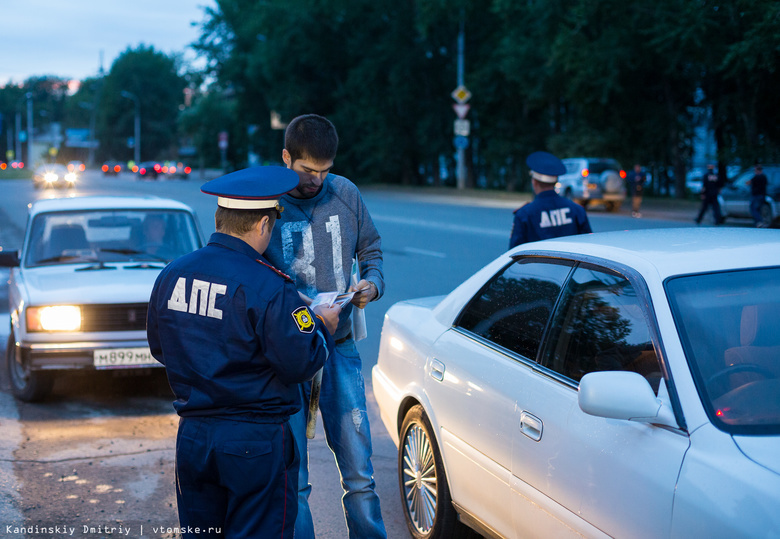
(332, 298)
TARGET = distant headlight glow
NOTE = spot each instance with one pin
(50, 177)
(70, 177)
(54, 318)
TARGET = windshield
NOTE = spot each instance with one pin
(110, 236)
(729, 324)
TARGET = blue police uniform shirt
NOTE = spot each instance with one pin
(548, 216)
(233, 333)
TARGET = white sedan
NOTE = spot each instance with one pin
(623, 384)
(80, 286)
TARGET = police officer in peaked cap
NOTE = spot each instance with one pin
(549, 215)
(236, 339)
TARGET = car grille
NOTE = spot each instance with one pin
(125, 317)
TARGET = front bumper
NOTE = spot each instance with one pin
(76, 355)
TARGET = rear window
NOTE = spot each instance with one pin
(599, 166)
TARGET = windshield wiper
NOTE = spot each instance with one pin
(61, 258)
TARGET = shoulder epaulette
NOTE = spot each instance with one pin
(269, 266)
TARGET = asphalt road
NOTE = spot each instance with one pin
(97, 457)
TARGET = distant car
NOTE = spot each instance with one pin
(79, 288)
(735, 197)
(179, 170)
(592, 180)
(112, 168)
(149, 170)
(618, 384)
(54, 175)
(76, 166)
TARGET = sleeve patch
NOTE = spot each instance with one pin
(303, 319)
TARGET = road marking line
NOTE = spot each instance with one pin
(442, 226)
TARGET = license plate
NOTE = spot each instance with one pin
(117, 358)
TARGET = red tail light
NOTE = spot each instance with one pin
(2, 166)
(164, 169)
(172, 170)
(21, 164)
(105, 168)
(117, 168)
(82, 167)
(157, 167)
(187, 170)
(623, 174)
(585, 172)
(142, 171)
(70, 168)
(135, 168)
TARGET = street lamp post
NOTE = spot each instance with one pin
(30, 158)
(137, 134)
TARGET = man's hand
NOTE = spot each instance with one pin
(329, 315)
(365, 291)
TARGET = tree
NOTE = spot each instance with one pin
(153, 78)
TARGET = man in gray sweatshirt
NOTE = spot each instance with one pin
(324, 226)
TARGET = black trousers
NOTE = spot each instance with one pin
(235, 478)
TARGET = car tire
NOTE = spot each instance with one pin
(26, 385)
(425, 494)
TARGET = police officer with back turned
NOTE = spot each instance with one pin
(236, 339)
(549, 215)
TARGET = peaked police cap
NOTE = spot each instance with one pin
(545, 167)
(252, 188)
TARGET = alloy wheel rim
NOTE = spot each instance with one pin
(419, 479)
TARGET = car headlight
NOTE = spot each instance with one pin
(50, 177)
(70, 177)
(54, 318)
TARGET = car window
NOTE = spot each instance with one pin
(600, 326)
(729, 325)
(599, 166)
(110, 236)
(513, 308)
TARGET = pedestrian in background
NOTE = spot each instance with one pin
(236, 340)
(549, 215)
(710, 190)
(636, 182)
(757, 185)
(325, 226)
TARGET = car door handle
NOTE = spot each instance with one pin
(437, 370)
(531, 426)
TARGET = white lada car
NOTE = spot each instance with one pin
(80, 285)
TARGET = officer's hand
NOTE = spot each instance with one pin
(365, 291)
(330, 315)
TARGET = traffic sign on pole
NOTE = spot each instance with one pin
(462, 128)
(461, 94)
(461, 109)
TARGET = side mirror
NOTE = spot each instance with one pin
(9, 259)
(623, 395)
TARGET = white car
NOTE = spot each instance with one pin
(80, 286)
(54, 175)
(593, 180)
(623, 384)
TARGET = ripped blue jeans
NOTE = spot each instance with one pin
(348, 435)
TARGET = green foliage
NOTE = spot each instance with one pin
(153, 78)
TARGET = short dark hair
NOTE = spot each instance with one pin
(234, 221)
(311, 136)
